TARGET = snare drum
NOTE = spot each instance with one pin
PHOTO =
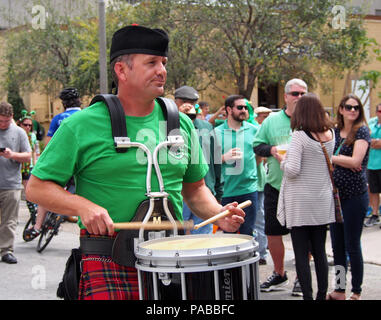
(195, 267)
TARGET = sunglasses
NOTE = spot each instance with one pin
(348, 107)
(27, 125)
(296, 93)
(242, 107)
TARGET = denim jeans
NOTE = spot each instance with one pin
(251, 212)
(260, 235)
(346, 239)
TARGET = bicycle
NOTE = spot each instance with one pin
(49, 229)
(32, 207)
(51, 224)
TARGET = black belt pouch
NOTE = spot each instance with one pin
(69, 286)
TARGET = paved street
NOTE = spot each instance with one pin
(36, 276)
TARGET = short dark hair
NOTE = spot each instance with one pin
(6, 109)
(203, 104)
(126, 58)
(309, 115)
(229, 102)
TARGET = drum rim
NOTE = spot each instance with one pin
(207, 253)
(197, 268)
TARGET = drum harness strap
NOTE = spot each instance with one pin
(126, 240)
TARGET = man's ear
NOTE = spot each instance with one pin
(120, 71)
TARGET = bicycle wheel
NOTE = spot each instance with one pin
(30, 222)
(49, 230)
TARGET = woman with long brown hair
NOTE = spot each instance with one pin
(306, 203)
(350, 160)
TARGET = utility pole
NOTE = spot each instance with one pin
(102, 48)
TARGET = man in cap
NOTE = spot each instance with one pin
(185, 96)
(185, 101)
(262, 113)
(110, 185)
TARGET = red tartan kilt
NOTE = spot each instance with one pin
(103, 279)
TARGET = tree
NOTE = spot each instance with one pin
(274, 40)
(266, 40)
(14, 97)
(181, 20)
(44, 57)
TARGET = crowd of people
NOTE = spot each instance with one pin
(276, 159)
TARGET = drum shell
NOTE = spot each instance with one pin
(228, 272)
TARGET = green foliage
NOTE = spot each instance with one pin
(14, 97)
(239, 40)
(44, 59)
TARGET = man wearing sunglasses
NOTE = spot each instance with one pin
(239, 168)
(275, 131)
(185, 99)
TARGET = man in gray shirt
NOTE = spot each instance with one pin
(14, 150)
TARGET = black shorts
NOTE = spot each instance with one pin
(272, 225)
(374, 181)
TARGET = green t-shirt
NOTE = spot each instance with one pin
(240, 176)
(83, 147)
(275, 130)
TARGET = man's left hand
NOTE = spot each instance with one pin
(233, 221)
(7, 153)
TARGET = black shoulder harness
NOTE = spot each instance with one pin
(118, 123)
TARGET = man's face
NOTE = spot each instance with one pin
(292, 97)
(180, 101)
(5, 122)
(262, 116)
(239, 112)
(147, 76)
(205, 110)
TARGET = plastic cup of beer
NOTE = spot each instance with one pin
(282, 149)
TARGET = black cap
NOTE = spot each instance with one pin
(139, 39)
(186, 92)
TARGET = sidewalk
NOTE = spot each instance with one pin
(36, 276)
(371, 238)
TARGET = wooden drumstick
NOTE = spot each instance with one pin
(163, 225)
(221, 215)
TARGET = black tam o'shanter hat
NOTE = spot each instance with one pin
(139, 39)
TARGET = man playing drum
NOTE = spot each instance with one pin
(111, 185)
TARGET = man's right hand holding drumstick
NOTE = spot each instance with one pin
(202, 202)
